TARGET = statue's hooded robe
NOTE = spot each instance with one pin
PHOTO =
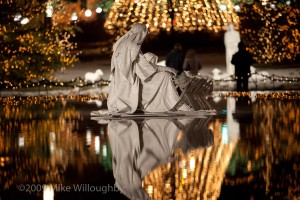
(124, 86)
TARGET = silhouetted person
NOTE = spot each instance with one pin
(242, 60)
(191, 62)
(175, 58)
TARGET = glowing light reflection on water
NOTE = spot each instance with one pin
(254, 151)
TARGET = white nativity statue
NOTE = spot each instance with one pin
(231, 40)
(91, 77)
(138, 82)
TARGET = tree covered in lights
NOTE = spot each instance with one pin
(105, 5)
(171, 15)
(271, 30)
(32, 45)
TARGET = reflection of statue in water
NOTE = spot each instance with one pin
(141, 146)
(231, 40)
(196, 135)
(137, 148)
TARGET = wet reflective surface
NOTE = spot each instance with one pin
(50, 148)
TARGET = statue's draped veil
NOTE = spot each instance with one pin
(128, 46)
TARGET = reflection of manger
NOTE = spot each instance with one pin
(197, 174)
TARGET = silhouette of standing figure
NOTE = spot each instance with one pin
(191, 62)
(231, 40)
(175, 58)
(242, 61)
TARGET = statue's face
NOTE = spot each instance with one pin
(230, 27)
(139, 28)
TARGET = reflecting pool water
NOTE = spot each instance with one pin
(51, 148)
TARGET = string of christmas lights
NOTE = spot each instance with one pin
(287, 95)
(17, 100)
(49, 99)
(77, 82)
(272, 78)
